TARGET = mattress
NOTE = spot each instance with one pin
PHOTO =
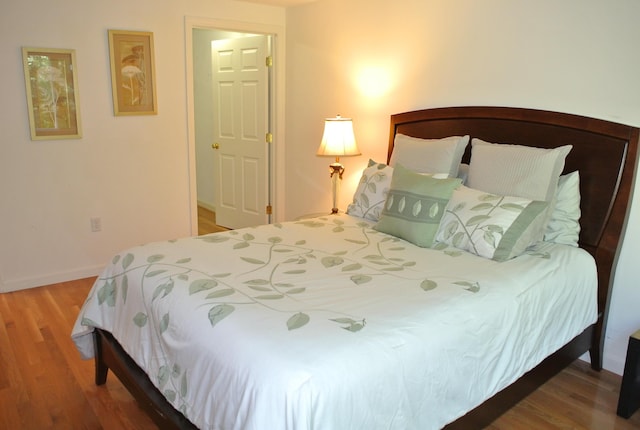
(326, 323)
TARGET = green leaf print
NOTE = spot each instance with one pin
(202, 285)
(164, 323)
(154, 273)
(127, 260)
(473, 287)
(140, 319)
(351, 267)
(220, 293)
(252, 260)
(295, 272)
(170, 395)
(163, 375)
(428, 285)
(257, 282)
(352, 325)
(219, 312)
(163, 289)
(331, 261)
(214, 238)
(183, 384)
(298, 320)
(124, 288)
(155, 258)
(270, 297)
(360, 279)
(107, 293)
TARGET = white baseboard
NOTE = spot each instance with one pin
(7, 286)
(206, 205)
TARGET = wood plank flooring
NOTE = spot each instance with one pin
(207, 222)
(44, 384)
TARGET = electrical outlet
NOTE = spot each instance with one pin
(96, 224)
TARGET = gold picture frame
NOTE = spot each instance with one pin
(52, 93)
(132, 72)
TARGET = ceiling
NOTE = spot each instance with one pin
(284, 3)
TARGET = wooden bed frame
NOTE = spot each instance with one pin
(605, 153)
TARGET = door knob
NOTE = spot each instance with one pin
(215, 146)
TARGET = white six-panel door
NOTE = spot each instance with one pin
(240, 86)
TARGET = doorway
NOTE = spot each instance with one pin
(205, 183)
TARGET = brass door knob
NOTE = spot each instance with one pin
(215, 146)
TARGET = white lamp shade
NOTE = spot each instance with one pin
(338, 139)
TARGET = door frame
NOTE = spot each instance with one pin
(276, 154)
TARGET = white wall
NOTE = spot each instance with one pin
(368, 59)
(132, 172)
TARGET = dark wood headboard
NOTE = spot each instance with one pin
(605, 153)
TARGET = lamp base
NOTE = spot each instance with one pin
(336, 170)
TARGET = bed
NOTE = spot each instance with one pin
(350, 320)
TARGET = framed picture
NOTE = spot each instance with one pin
(52, 93)
(132, 73)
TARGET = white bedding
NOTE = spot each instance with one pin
(329, 324)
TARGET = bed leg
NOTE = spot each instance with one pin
(597, 345)
(100, 367)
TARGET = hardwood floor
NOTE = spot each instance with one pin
(207, 222)
(45, 385)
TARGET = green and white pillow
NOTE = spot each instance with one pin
(372, 190)
(414, 206)
(490, 225)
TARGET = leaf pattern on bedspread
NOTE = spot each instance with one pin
(268, 271)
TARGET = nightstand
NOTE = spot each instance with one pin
(315, 215)
(629, 399)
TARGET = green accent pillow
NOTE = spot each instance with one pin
(414, 206)
(490, 225)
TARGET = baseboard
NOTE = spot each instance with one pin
(206, 205)
(7, 286)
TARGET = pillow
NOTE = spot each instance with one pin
(490, 225)
(371, 192)
(564, 225)
(515, 170)
(414, 206)
(463, 172)
(429, 155)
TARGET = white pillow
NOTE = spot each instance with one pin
(429, 155)
(463, 172)
(564, 225)
(372, 190)
(515, 170)
(490, 225)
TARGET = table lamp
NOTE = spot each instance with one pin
(338, 141)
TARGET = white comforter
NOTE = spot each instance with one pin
(328, 324)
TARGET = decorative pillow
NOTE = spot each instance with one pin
(564, 225)
(490, 225)
(429, 155)
(371, 193)
(515, 170)
(414, 206)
